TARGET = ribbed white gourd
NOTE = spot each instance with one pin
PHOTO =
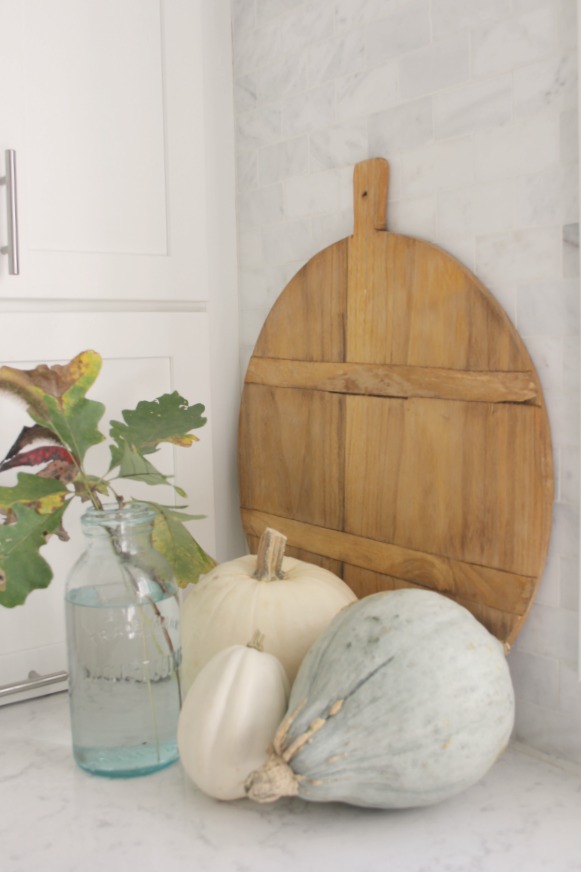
(229, 717)
(405, 700)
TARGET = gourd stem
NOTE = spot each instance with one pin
(257, 641)
(270, 555)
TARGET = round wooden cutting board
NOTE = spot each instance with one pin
(393, 427)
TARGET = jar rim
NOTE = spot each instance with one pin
(112, 513)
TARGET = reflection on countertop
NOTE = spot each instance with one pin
(524, 815)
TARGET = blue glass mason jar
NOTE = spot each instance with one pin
(123, 646)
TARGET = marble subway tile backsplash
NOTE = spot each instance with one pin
(474, 105)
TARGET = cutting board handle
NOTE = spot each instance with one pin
(370, 184)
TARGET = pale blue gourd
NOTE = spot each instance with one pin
(404, 700)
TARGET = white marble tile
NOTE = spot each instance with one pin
(451, 15)
(565, 537)
(314, 194)
(475, 106)
(243, 16)
(530, 254)
(350, 14)
(569, 136)
(334, 58)
(260, 206)
(346, 188)
(250, 252)
(283, 160)
(571, 366)
(287, 241)
(570, 586)
(256, 48)
(408, 125)
(549, 197)
(569, 474)
(260, 287)
(535, 678)
(459, 245)
(328, 229)
(551, 83)
(413, 217)
(266, 10)
(245, 93)
(440, 65)
(285, 77)
(549, 308)
(246, 170)
(312, 110)
(564, 414)
(258, 128)
(367, 92)
(406, 29)
(504, 293)
(567, 24)
(309, 23)
(571, 250)
(478, 209)
(550, 632)
(511, 42)
(339, 146)
(529, 145)
(440, 166)
(571, 688)
(552, 732)
(251, 321)
(549, 590)
(547, 354)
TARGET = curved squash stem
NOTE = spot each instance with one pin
(270, 555)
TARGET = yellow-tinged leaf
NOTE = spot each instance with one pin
(182, 441)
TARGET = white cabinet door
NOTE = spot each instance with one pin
(103, 102)
(144, 356)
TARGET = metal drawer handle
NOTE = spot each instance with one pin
(33, 682)
(11, 194)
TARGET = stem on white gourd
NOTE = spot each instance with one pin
(270, 555)
(257, 641)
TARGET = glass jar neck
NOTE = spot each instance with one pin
(126, 529)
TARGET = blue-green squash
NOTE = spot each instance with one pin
(404, 700)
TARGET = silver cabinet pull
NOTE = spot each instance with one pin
(33, 682)
(11, 195)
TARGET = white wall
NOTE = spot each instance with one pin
(474, 104)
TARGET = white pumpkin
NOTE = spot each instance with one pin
(229, 718)
(404, 700)
(288, 600)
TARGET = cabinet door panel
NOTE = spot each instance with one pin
(144, 355)
(104, 110)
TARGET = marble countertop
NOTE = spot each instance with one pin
(525, 815)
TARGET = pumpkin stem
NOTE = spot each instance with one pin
(272, 781)
(270, 554)
(257, 641)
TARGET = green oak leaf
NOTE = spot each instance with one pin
(134, 466)
(74, 423)
(46, 494)
(169, 418)
(22, 568)
(172, 539)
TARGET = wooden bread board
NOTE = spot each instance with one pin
(393, 426)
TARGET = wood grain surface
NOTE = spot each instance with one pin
(393, 426)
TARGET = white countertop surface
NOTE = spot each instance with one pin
(524, 816)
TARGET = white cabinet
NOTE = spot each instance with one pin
(103, 102)
(120, 112)
(144, 356)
